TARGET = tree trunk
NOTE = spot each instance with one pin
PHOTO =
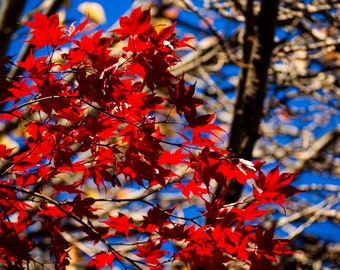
(9, 14)
(252, 88)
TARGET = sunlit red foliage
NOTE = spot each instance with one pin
(101, 118)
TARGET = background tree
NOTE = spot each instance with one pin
(271, 68)
(246, 57)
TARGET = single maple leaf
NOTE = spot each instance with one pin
(137, 23)
(46, 31)
(274, 187)
(102, 259)
(121, 224)
(151, 251)
(4, 151)
(197, 189)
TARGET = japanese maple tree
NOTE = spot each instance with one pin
(107, 132)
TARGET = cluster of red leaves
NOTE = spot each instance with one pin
(99, 117)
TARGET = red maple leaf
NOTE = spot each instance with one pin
(182, 97)
(4, 151)
(121, 224)
(155, 219)
(274, 187)
(137, 23)
(192, 187)
(151, 251)
(267, 247)
(102, 259)
(46, 31)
